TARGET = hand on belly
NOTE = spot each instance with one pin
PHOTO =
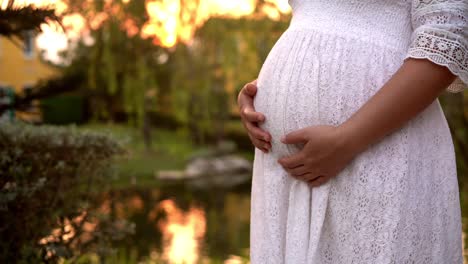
(324, 155)
(251, 119)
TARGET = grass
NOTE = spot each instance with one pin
(170, 151)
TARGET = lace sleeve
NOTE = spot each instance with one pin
(441, 35)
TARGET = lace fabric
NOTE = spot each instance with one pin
(397, 202)
(441, 35)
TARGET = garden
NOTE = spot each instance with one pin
(139, 154)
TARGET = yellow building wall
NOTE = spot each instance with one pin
(18, 70)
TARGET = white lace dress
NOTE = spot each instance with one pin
(397, 202)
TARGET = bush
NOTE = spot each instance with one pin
(47, 176)
(64, 109)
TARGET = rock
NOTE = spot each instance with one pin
(198, 167)
(226, 181)
(229, 164)
(204, 172)
(171, 175)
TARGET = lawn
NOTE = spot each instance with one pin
(171, 149)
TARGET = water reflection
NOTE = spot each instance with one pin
(182, 233)
(234, 260)
(173, 224)
(176, 224)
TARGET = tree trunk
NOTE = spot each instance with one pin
(146, 129)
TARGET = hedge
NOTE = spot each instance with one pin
(47, 175)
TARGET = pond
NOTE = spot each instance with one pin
(179, 224)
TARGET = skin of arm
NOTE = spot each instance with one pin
(414, 87)
(328, 149)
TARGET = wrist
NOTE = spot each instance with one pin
(350, 138)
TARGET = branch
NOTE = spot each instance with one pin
(15, 21)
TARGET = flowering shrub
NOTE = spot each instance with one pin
(47, 175)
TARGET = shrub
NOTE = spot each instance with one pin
(63, 109)
(47, 175)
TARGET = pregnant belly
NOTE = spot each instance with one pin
(288, 91)
(310, 79)
(287, 106)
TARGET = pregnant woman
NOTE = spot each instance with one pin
(354, 160)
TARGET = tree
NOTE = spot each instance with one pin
(225, 54)
(128, 74)
(14, 21)
(121, 69)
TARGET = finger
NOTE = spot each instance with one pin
(298, 171)
(295, 137)
(318, 181)
(244, 98)
(264, 150)
(307, 177)
(251, 88)
(249, 114)
(300, 176)
(260, 144)
(257, 132)
(293, 161)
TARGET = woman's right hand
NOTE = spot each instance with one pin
(250, 119)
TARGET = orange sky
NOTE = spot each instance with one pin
(167, 11)
(164, 25)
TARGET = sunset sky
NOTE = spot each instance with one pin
(164, 25)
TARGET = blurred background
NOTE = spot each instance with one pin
(120, 138)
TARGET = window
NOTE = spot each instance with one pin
(28, 44)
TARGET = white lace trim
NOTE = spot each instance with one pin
(443, 11)
(443, 48)
(441, 35)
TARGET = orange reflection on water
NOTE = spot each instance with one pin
(182, 233)
(234, 260)
(69, 231)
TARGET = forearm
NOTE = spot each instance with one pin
(413, 88)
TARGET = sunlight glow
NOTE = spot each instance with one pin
(168, 23)
(182, 233)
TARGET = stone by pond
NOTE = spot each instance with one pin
(224, 171)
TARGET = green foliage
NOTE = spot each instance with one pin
(60, 110)
(226, 54)
(456, 111)
(139, 167)
(47, 176)
(195, 83)
(121, 72)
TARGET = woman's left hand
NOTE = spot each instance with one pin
(325, 153)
